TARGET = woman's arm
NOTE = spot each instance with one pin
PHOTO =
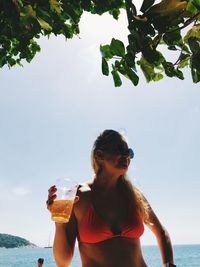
(64, 242)
(163, 238)
(65, 234)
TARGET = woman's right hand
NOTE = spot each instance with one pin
(51, 196)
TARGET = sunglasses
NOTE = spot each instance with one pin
(126, 152)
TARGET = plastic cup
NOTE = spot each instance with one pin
(61, 208)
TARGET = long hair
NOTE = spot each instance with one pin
(134, 196)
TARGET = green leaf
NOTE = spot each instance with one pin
(3, 61)
(147, 69)
(117, 64)
(43, 14)
(146, 5)
(191, 7)
(196, 3)
(179, 74)
(157, 77)
(130, 60)
(115, 13)
(34, 47)
(195, 75)
(168, 8)
(195, 60)
(173, 38)
(117, 47)
(184, 60)
(87, 5)
(44, 24)
(28, 11)
(55, 6)
(157, 58)
(194, 44)
(133, 76)
(19, 63)
(169, 69)
(193, 32)
(116, 78)
(11, 61)
(104, 66)
(29, 57)
(106, 51)
(185, 48)
(20, 2)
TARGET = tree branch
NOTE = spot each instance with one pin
(17, 7)
(188, 22)
(130, 11)
(160, 35)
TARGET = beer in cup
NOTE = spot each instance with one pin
(62, 206)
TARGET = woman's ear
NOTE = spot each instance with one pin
(99, 155)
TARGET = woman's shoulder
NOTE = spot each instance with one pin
(84, 194)
(85, 187)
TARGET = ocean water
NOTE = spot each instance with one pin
(185, 256)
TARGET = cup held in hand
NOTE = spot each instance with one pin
(62, 206)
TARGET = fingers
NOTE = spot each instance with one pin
(51, 199)
(52, 190)
(51, 196)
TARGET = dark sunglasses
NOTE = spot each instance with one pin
(126, 152)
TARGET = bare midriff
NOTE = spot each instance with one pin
(114, 252)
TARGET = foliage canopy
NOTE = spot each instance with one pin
(22, 22)
(10, 241)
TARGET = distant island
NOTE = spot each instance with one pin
(11, 241)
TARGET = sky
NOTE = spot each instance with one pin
(51, 112)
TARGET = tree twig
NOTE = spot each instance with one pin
(187, 22)
(17, 7)
(130, 11)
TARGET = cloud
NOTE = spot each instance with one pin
(21, 191)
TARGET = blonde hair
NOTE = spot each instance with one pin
(133, 195)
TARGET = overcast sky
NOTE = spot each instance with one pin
(52, 110)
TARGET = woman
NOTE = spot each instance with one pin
(109, 215)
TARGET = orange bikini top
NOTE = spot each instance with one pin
(93, 229)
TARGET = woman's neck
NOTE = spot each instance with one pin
(106, 181)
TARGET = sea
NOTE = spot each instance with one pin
(185, 256)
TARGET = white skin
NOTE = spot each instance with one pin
(106, 198)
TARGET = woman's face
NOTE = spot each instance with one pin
(116, 158)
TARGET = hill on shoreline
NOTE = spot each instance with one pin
(11, 241)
